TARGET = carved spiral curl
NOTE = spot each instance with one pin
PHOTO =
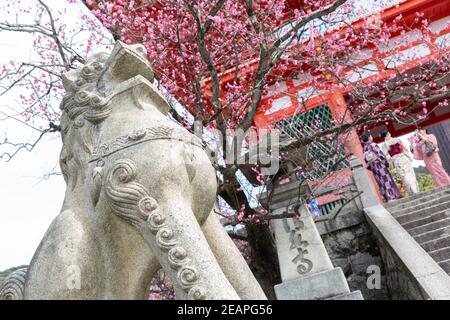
(79, 122)
(75, 111)
(97, 66)
(165, 239)
(146, 205)
(97, 102)
(197, 293)
(99, 109)
(155, 221)
(78, 84)
(97, 116)
(88, 73)
(82, 98)
(187, 277)
(131, 201)
(177, 257)
(123, 171)
(13, 286)
(83, 94)
(124, 193)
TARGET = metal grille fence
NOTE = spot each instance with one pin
(324, 154)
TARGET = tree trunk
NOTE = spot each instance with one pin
(264, 259)
(263, 254)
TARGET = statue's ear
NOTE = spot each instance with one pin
(128, 61)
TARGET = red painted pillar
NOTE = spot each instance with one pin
(350, 139)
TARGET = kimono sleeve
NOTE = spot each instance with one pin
(417, 151)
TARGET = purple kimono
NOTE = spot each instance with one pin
(380, 168)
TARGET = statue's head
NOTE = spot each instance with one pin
(92, 93)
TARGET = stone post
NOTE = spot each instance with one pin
(299, 246)
(306, 269)
(369, 196)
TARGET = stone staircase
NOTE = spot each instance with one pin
(426, 217)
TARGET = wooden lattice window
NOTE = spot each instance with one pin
(325, 154)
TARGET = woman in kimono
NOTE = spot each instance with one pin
(425, 148)
(377, 163)
(396, 153)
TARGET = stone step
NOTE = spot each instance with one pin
(440, 254)
(428, 219)
(430, 227)
(354, 295)
(431, 200)
(445, 265)
(317, 286)
(416, 197)
(432, 235)
(422, 213)
(427, 207)
(436, 244)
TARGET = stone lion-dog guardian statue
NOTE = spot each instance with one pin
(140, 196)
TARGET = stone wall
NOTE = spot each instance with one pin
(352, 246)
(402, 285)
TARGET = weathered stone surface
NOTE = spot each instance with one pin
(427, 218)
(322, 285)
(418, 198)
(140, 196)
(411, 272)
(354, 249)
(355, 295)
(420, 210)
(340, 222)
(299, 246)
(368, 197)
(12, 287)
(306, 269)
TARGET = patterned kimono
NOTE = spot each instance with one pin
(433, 162)
(402, 163)
(380, 168)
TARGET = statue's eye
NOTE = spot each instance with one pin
(80, 82)
(97, 66)
(82, 94)
(87, 70)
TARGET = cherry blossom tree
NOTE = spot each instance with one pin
(35, 81)
(219, 60)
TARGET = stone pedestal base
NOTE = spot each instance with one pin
(354, 295)
(330, 284)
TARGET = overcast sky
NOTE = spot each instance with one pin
(28, 204)
(29, 201)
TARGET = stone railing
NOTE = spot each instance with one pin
(348, 237)
(336, 194)
(357, 194)
(410, 272)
